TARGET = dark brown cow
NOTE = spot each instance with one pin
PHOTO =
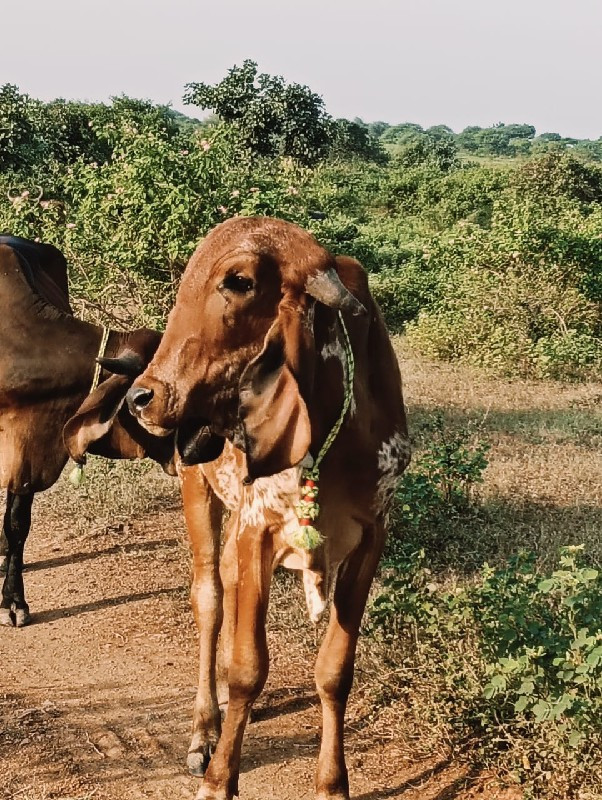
(47, 364)
(256, 352)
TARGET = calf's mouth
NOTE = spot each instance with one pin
(197, 443)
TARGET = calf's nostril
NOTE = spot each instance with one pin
(138, 398)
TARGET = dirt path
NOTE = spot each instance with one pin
(96, 695)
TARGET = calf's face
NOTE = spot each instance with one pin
(237, 356)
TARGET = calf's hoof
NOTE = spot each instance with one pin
(14, 617)
(198, 760)
(207, 793)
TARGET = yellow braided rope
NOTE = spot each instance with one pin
(101, 352)
(76, 476)
(307, 537)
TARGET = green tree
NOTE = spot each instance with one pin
(354, 139)
(273, 117)
(20, 144)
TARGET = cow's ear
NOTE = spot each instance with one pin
(95, 417)
(273, 413)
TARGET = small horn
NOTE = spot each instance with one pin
(328, 289)
(129, 364)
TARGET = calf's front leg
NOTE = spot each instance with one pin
(250, 661)
(203, 514)
(228, 570)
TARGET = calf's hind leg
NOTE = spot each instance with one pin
(335, 663)
(17, 521)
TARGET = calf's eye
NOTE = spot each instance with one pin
(239, 284)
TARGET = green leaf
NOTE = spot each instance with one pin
(522, 703)
(541, 710)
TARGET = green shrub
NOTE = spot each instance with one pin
(440, 484)
(513, 316)
(507, 665)
(513, 664)
(495, 266)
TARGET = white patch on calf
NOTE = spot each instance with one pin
(315, 594)
(393, 457)
(277, 494)
(227, 478)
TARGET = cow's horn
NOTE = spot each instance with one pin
(129, 364)
(328, 289)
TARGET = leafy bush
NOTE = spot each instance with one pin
(507, 666)
(440, 484)
(519, 297)
(511, 666)
(496, 266)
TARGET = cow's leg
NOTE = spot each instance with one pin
(4, 546)
(17, 521)
(203, 512)
(249, 666)
(335, 663)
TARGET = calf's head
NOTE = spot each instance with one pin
(237, 356)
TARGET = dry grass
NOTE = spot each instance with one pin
(112, 493)
(543, 486)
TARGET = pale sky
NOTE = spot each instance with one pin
(454, 62)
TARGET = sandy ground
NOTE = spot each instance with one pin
(96, 695)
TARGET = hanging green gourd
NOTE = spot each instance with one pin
(77, 476)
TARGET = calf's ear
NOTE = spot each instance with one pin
(95, 418)
(275, 422)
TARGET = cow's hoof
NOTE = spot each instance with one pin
(6, 617)
(198, 761)
(22, 617)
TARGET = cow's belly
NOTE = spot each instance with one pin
(32, 453)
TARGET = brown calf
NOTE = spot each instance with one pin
(255, 352)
